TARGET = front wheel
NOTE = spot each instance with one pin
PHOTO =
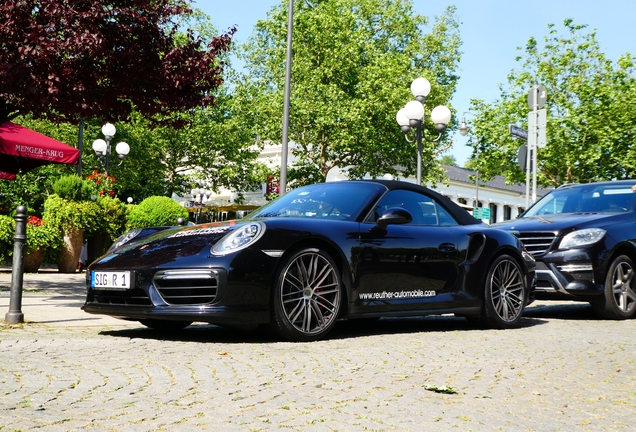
(618, 300)
(504, 294)
(306, 297)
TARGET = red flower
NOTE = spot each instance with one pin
(34, 221)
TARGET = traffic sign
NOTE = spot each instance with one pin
(481, 213)
(537, 96)
(517, 132)
(541, 124)
(522, 157)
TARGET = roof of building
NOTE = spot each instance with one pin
(464, 175)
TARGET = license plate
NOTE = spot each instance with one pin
(111, 280)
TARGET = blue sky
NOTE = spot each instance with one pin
(491, 31)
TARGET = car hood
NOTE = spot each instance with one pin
(169, 246)
(559, 222)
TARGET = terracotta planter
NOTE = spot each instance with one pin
(33, 260)
(71, 249)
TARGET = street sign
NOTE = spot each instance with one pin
(517, 132)
(537, 96)
(532, 134)
(522, 157)
(481, 213)
(541, 123)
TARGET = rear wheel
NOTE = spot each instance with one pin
(165, 325)
(505, 294)
(307, 296)
(618, 300)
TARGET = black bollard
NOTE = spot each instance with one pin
(181, 222)
(15, 315)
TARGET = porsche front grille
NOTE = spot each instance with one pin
(187, 287)
(537, 242)
(131, 297)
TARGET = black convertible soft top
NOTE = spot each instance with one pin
(460, 214)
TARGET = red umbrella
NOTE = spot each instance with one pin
(24, 149)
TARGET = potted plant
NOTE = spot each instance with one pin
(71, 212)
(40, 238)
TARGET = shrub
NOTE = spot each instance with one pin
(156, 211)
(101, 184)
(39, 235)
(67, 215)
(113, 215)
(7, 231)
(72, 188)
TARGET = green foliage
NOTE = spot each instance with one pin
(7, 231)
(72, 215)
(354, 61)
(43, 237)
(114, 216)
(591, 108)
(156, 211)
(38, 236)
(72, 188)
(448, 160)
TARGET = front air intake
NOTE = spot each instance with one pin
(187, 287)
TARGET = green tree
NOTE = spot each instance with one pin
(591, 108)
(353, 63)
(448, 160)
(67, 59)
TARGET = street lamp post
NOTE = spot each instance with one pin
(102, 148)
(463, 130)
(200, 198)
(412, 116)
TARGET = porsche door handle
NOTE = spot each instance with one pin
(446, 247)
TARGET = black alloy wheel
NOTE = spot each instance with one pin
(505, 294)
(618, 301)
(307, 296)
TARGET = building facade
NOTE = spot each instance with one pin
(504, 201)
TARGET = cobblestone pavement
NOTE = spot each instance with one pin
(562, 370)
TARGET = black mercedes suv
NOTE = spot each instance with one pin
(583, 237)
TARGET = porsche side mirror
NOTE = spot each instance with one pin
(394, 216)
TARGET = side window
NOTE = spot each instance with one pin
(425, 210)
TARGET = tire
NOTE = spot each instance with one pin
(504, 294)
(165, 325)
(307, 296)
(618, 301)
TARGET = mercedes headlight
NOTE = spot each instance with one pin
(238, 239)
(582, 237)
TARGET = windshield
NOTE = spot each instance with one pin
(337, 200)
(592, 198)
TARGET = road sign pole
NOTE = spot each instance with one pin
(536, 135)
(535, 132)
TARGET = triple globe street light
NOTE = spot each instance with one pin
(412, 117)
(102, 148)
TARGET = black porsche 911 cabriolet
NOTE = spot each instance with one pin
(320, 253)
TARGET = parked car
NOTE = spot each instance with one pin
(583, 237)
(342, 250)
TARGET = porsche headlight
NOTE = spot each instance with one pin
(238, 239)
(582, 237)
(125, 238)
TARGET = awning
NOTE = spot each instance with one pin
(24, 149)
